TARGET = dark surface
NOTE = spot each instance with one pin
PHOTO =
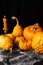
(20, 57)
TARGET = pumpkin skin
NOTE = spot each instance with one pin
(25, 45)
(11, 36)
(19, 38)
(29, 31)
(6, 42)
(18, 30)
(37, 43)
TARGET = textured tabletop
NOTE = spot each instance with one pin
(18, 57)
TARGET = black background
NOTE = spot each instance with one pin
(27, 11)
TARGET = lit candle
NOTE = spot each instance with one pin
(5, 24)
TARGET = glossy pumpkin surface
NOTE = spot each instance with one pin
(29, 31)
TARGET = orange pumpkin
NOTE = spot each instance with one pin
(6, 42)
(18, 30)
(10, 35)
(29, 31)
(19, 38)
(37, 43)
(25, 45)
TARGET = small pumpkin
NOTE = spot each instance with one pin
(6, 42)
(19, 38)
(29, 31)
(25, 45)
(18, 30)
(11, 36)
(37, 42)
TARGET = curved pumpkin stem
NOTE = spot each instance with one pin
(33, 28)
(14, 18)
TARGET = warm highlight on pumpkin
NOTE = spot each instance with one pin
(5, 42)
(37, 43)
(29, 31)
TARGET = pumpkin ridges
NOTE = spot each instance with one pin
(19, 38)
(37, 43)
(30, 44)
(25, 45)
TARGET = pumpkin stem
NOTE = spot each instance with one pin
(33, 28)
(10, 50)
(36, 24)
(14, 18)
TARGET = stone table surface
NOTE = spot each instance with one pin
(19, 57)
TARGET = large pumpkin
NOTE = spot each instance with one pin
(18, 30)
(25, 45)
(6, 42)
(29, 31)
(37, 42)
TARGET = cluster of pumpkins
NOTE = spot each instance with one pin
(31, 37)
